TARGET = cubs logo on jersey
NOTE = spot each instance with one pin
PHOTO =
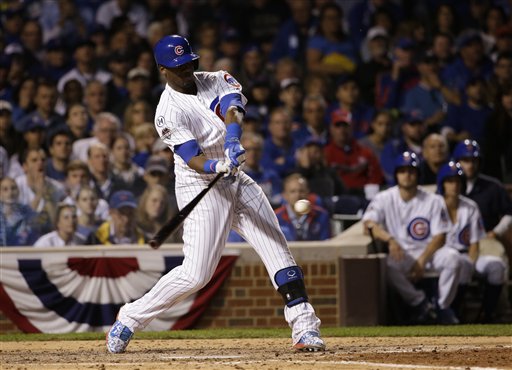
(231, 80)
(464, 236)
(419, 228)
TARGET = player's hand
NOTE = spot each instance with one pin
(417, 269)
(225, 167)
(235, 152)
(395, 250)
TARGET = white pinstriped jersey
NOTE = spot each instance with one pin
(181, 117)
(412, 223)
(468, 228)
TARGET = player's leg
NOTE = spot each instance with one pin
(204, 237)
(466, 273)
(257, 223)
(493, 268)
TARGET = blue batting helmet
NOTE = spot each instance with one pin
(466, 149)
(172, 51)
(406, 159)
(450, 169)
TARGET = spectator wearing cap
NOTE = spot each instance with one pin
(348, 101)
(292, 37)
(430, 97)
(119, 63)
(158, 171)
(330, 52)
(45, 101)
(135, 12)
(230, 47)
(138, 87)
(267, 178)
(376, 61)
(12, 23)
(290, 97)
(500, 79)
(471, 62)
(252, 120)
(356, 165)
(59, 148)
(413, 130)
(106, 128)
(86, 68)
(381, 129)
(9, 137)
(121, 228)
(279, 147)
(314, 109)
(55, 60)
(312, 225)
(467, 121)
(105, 181)
(260, 98)
(391, 86)
(66, 230)
(435, 153)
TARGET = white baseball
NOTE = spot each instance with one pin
(302, 206)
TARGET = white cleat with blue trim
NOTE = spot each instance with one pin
(118, 337)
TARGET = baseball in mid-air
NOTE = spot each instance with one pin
(302, 206)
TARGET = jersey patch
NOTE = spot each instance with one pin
(464, 236)
(166, 132)
(231, 80)
(419, 228)
(160, 121)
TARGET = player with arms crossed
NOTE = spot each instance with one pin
(199, 117)
(466, 230)
(414, 223)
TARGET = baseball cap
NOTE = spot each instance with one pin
(341, 116)
(156, 163)
(288, 82)
(85, 42)
(413, 116)
(35, 122)
(122, 198)
(312, 141)
(138, 72)
(231, 35)
(376, 32)
(5, 106)
(55, 44)
(405, 43)
(467, 37)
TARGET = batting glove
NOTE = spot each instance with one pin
(233, 150)
(225, 167)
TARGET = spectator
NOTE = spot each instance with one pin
(414, 223)
(59, 147)
(501, 78)
(24, 96)
(314, 110)
(435, 154)
(105, 181)
(72, 93)
(45, 100)
(253, 65)
(430, 97)
(467, 121)
(38, 191)
(317, 84)
(466, 231)
(290, 97)
(31, 38)
(313, 225)
(356, 165)
(497, 151)
(135, 12)
(76, 121)
(445, 20)
(381, 128)
(413, 130)
(95, 98)
(122, 165)
(154, 211)
(9, 138)
(260, 98)
(393, 85)
(279, 148)
(144, 136)
(266, 178)
(121, 229)
(495, 19)
(119, 64)
(503, 44)
(86, 68)
(493, 201)
(442, 50)
(87, 202)
(106, 128)
(291, 39)
(349, 102)
(376, 62)
(18, 220)
(330, 52)
(65, 233)
(157, 172)
(55, 60)
(135, 114)
(138, 87)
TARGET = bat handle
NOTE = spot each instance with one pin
(153, 243)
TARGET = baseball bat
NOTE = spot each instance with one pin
(176, 221)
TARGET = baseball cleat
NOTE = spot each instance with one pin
(118, 337)
(311, 342)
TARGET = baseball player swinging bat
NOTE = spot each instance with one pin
(176, 221)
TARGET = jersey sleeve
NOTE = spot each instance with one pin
(439, 222)
(227, 84)
(172, 129)
(375, 210)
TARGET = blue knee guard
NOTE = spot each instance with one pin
(290, 282)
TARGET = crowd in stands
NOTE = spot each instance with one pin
(336, 91)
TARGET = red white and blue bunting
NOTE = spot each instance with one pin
(60, 291)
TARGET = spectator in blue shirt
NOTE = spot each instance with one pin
(311, 225)
(314, 109)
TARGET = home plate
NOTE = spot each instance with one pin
(213, 357)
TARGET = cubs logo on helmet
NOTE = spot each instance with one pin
(178, 50)
(419, 228)
(464, 236)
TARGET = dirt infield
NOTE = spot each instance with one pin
(265, 354)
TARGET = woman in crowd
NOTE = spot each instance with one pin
(87, 203)
(122, 164)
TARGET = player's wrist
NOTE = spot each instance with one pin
(210, 166)
(233, 132)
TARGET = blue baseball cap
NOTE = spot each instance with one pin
(33, 123)
(123, 198)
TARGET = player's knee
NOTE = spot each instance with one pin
(452, 259)
(495, 273)
(290, 282)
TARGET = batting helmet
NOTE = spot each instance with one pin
(466, 149)
(172, 51)
(450, 169)
(406, 159)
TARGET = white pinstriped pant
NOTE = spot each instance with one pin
(240, 205)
